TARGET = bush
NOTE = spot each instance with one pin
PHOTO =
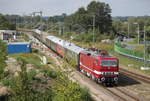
(3, 53)
(50, 73)
(35, 50)
(85, 95)
(31, 75)
(8, 82)
(67, 90)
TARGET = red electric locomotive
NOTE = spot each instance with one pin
(98, 65)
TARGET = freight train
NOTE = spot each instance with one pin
(96, 64)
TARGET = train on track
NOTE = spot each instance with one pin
(97, 64)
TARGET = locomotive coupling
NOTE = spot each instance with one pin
(103, 79)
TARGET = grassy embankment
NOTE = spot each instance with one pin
(50, 84)
(138, 47)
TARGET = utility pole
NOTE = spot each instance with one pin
(59, 29)
(31, 19)
(138, 31)
(144, 48)
(93, 31)
(128, 29)
(138, 34)
(40, 15)
(145, 68)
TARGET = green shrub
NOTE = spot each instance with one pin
(8, 82)
(66, 90)
(5, 74)
(35, 50)
(50, 73)
(3, 53)
(85, 94)
(31, 75)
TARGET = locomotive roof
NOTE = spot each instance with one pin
(66, 44)
(95, 53)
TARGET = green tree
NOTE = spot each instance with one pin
(84, 17)
(102, 13)
(5, 24)
(52, 20)
(3, 54)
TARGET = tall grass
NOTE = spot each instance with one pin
(29, 58)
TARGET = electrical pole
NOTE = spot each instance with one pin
(145, 68)
(138, 34)
(31, 19)
(144, 48)
(128, 29)
(93, 31)
(59, 29)
(40, 16)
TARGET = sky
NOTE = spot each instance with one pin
(57, 7)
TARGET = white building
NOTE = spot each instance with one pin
(7, 34)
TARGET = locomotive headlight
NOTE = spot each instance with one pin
(115, 78)
(116, 73)
(102, 73)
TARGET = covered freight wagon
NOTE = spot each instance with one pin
(19, 47)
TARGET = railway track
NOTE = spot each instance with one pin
(116, 92)
(123, 95)
(118, 96)
(142, 78)
(128, 95)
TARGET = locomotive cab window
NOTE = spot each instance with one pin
(112, 63)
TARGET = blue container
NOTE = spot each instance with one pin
(13, 48)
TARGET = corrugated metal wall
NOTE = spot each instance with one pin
(19, 48)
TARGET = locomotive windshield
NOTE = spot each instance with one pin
(107, 63)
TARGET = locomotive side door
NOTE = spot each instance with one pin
(78, 60)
